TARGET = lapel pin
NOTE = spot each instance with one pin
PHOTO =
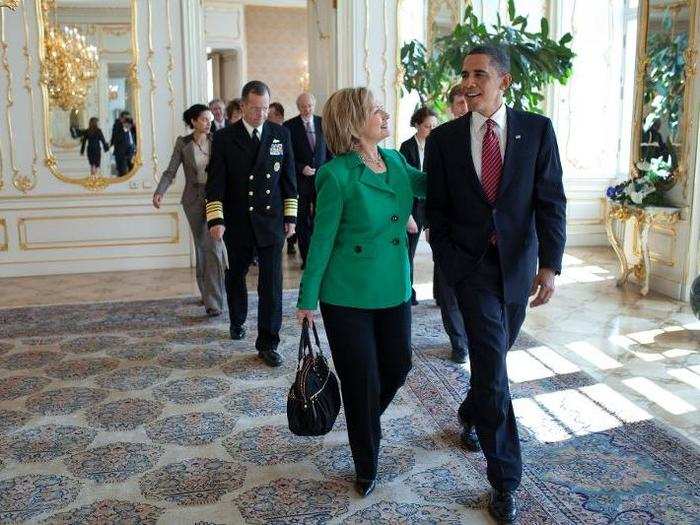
(517, 137)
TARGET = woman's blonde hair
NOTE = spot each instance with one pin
(344, 117)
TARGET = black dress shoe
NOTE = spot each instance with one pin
(469, 439)
(503, 507)
(237, 332)
(458, 357)
(213, 312)
(271, 357)
(365, 488)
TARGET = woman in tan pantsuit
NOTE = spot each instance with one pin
(193, 151)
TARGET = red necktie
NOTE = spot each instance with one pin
(491, 163)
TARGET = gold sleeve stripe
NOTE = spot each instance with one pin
(290, 207)
(215, 210)
(214, 215)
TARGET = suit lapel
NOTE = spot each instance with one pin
(513, 141)
(466, 163)
(371, 179)
(415, 161)
(240, 135)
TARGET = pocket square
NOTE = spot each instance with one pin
(275, 140)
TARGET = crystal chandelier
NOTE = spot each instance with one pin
(71, 65)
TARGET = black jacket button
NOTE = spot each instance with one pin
(358, 249)
(394, 218)
(395, 241)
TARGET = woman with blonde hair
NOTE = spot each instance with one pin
(357, 267)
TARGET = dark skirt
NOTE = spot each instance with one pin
(94, 155)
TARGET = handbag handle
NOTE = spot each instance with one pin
(305, 339)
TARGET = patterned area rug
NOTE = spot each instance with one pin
(145, 413)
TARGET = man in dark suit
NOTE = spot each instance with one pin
(252, 205)
(218, 109)
(310, 153)
(497, 214)
(124, 142)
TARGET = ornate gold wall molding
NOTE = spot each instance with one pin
(152, 75)
(368, 71)
(12, 4)
(5, 242)
(398, 79)
(171, 67)
(26, 183)
(9, 101)
(26, 244)
(385, 62)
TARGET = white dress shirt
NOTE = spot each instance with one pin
(219, 124)
(477, 131)
(250, 129)
(421, 152)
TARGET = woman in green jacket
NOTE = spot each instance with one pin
(358, 267)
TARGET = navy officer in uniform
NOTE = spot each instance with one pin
(252, 204)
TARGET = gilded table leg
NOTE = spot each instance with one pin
(645, 263)
(624, 265)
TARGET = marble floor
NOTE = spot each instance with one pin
(644, 352)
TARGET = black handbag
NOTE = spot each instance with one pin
(314, 398)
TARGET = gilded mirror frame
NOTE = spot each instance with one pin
(679, 175)
(92, 182)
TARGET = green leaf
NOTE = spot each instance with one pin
(544, 27)
(511, 10)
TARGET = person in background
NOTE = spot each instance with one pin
(192, 152)
(93, 137)
(276, 113)
(424, 120)
(310, 153)
(218, 110)
(124, 142)
(358, 268)
(234, 111)
(252, 205)
(457, 100)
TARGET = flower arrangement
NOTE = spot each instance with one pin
(643, 190)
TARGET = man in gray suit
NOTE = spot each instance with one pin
(193, 152)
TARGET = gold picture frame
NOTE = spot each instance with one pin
(96, 181)
(680, 172)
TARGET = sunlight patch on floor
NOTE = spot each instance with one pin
(658, 395)
(593, 355)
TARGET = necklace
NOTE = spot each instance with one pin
(371, 161)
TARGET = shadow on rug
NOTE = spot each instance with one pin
(145, 412)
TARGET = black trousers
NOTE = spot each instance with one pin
(305, 223)
(269, 289)
(371, 352)
(492, 327)
(124, 163)
(452, 317)
(413, 239)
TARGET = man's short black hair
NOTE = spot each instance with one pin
(498, 55)
(256, 87)
(124, 114)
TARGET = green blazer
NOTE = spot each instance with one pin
(358, 255)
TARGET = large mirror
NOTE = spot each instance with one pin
(665, 52)
(91, 101)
